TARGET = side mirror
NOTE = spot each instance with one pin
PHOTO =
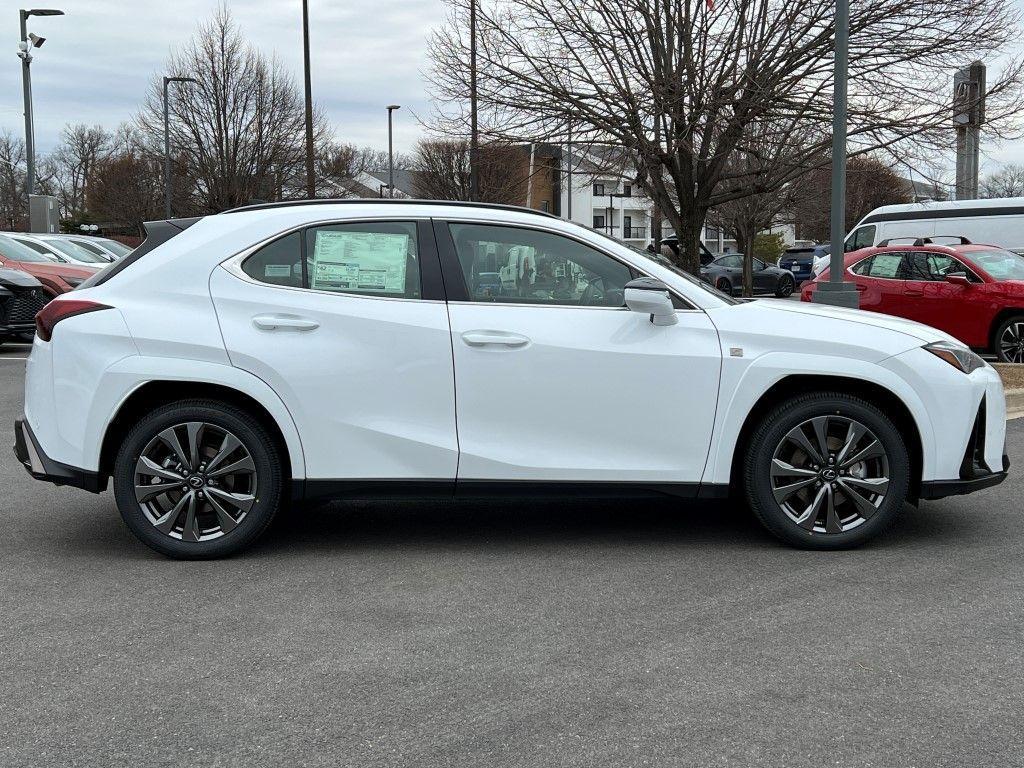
(651, 297)
(958, 278)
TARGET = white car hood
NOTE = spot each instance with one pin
(920, 331)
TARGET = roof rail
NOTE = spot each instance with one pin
(919, 241)
(387, 201)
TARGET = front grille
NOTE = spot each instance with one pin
(23, 306)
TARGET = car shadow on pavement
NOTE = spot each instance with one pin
(498, 524)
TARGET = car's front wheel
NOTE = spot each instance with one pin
(724, 285)
(198, 479)
(1009, 346)
(826, 470)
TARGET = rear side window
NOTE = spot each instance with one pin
(277, 263)
(371, 259)
(885, 265)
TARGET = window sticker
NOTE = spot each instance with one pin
(360, 261)
(277, 270)
(886, 265)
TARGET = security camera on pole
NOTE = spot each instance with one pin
(41, 217)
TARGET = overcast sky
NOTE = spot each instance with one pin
(99, 59)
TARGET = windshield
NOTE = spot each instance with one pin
(16, 251)
(75, 252)
(663, 261)
(115, 247)
(1001, 265)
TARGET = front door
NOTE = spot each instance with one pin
(558, 381)
(347, 323)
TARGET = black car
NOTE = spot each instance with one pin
(726, 274)
(21, 296)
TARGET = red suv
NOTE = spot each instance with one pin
(56, 277)
(972, 292)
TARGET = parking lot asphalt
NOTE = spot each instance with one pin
(570, 633)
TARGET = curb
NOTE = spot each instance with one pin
(1014, 403)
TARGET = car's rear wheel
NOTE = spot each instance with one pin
(198, 479)
(724, 286)
(785, 287)
(1009, 346)
(826, 470)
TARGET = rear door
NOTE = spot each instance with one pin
(347, 323)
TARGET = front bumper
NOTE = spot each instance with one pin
(940, 489)
(42, 467)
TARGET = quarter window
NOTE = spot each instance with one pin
(524, 266)
(277, 263)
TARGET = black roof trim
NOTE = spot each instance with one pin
(947, 213)
(387, 201)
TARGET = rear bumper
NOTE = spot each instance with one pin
(940, 489)
(42, 467)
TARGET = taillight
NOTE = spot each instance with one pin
(62, 309)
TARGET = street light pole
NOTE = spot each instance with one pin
(837, 291)
(25, 53)
(474, 146)
(391, 154)
(167, 142)
(310, 172)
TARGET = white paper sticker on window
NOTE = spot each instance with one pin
(360, 261)
(277, 270)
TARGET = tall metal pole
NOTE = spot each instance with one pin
(167, 152)
(474, 146)
(837, 291)
(568, 173)
(310, 173)
(26, 83)
(391, 153)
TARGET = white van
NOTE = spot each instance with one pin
(998, 221)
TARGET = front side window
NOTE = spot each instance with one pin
(863, 237)
(525, 266)
(372, 259)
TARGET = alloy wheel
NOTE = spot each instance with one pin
(830, 474)
(1011, 343)
(195, 481)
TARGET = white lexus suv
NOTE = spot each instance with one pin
(279, 353)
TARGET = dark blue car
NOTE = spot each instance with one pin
(800, 261)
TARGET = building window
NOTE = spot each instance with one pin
(627, 190)
(545, 206)
(598, 221)
(599, 190)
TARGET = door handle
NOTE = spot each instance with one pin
(862, 288)
(284, 322)
(913, 293)
(496, 338)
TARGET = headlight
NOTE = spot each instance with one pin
(74, 282)
(957, 356)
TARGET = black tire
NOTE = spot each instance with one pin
(267, 476)
(1012, 353)
(770, 436)
(785, 287)
(724, 285)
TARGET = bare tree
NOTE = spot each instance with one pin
(870, 183)
(444, 171)
(13, 206)
(682, 85)
(73, 163)
(1008, 181)
(240, 127)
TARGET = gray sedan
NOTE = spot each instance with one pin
(726, 274)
